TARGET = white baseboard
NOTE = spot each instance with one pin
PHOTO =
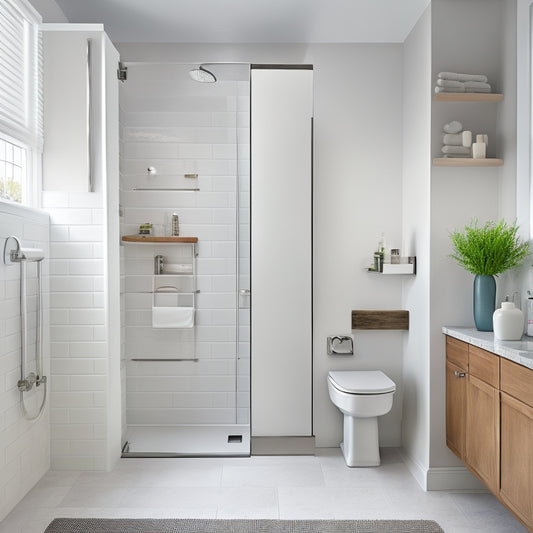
(417, 470)
(452, 478)
(283, 445)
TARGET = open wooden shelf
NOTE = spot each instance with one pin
(378, 319)
(466, 162)
(150, 238)
(468, 97)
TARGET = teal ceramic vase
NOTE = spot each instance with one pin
(484, 301)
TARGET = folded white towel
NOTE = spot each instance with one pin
(439, 90)
(172, 317)
(478, 89)
(453, 127)
(453, 139)
(455, 76)
(477, 85)
(456, 150)
(177, 268)
(450, 84)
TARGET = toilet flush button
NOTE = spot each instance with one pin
(340, 345)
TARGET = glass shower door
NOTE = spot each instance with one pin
(187, 390)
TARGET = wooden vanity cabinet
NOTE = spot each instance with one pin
(489, 422)
(482, 445)
(456, 373)
(516, 487)
(473, 409)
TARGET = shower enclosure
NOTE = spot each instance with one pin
(185, 355)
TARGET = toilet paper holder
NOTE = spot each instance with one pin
(340, 345)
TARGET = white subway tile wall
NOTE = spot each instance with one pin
(24, 445)
(79, 348)
(181, 127)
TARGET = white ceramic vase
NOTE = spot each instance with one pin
(508, 322)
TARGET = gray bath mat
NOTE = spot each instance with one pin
(149, 525)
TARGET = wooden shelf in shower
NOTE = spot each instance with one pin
(150, 238)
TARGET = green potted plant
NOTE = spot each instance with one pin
(486, 252)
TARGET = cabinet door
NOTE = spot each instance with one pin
(482, 448)
(517, 457)
(455, 408)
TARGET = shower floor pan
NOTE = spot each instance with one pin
(186, 441)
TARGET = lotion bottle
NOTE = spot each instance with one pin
(508, 323)
(479, 148)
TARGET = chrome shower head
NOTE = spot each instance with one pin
(202, 75)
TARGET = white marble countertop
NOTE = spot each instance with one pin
(520, 352)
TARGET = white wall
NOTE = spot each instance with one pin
(483, 30)
(358, 129)
(85, 391)
(416, 215)
(24, 445)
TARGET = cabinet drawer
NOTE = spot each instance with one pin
(484, 365)
(457, 352)
(517, 381)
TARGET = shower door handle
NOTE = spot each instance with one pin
(244, 298)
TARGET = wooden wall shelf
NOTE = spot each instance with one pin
(377, 319)
(466, 162)
(150, 238)
(468, 97)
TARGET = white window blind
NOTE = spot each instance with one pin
(21, 101)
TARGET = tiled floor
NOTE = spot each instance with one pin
(256, 487)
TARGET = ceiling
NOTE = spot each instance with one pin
(250, 21)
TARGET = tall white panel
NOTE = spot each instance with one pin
(281, 152)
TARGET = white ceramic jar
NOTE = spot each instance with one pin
(508, 322)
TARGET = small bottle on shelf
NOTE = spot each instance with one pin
(175, 225)
(479, 148)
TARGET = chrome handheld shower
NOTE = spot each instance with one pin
(27, 381)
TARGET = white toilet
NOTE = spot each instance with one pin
(362, 396)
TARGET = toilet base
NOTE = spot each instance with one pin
(361, 443)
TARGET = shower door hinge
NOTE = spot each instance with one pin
(122, 72)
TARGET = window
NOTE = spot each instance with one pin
(21, 137)
(12, 171)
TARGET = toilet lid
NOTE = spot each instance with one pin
(362, 381)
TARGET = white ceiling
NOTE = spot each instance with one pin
(250, 21)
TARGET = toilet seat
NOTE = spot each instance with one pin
(361, 381)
